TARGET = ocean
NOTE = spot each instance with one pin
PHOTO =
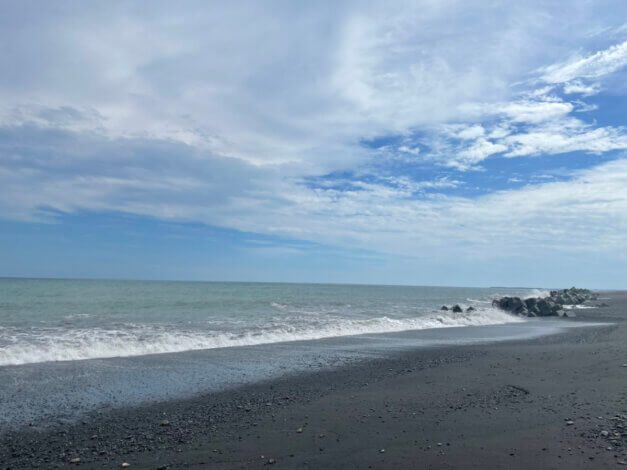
(65, 320)
(68, 347)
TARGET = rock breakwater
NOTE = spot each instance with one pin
(551, 306)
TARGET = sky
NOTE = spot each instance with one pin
(466, 143)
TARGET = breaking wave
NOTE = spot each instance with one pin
(536, 293)
(62, 344)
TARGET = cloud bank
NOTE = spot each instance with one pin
(309, 122)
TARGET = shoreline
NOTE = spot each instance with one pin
(485, 401)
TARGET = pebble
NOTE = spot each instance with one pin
(299, 430)
(605, 433)
(75, 460)
(165, 422)
(125, 464)
(382, 451)
(570, 423)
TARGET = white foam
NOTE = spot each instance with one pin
(536, 293)
(57, 344)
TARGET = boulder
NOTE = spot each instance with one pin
(516, 305)
(457, 309)
(519, 306)
(470, 309)
(567, 299)
(530, 302)
(511, 304)
(532, 306)
(444, 307)
(544, 308)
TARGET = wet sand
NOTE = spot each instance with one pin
(554, 402)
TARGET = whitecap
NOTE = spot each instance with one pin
(63, 344)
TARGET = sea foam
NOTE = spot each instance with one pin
(69, 344)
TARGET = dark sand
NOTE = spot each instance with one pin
(542, 403)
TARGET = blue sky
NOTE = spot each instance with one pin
(442, 143)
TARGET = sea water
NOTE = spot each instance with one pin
(65, 320)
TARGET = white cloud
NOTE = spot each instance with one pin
(271, 84)
(561, 216)
(409, 150)
(523, 111)
(566, 138)
(477, 152)
(383, 215)
(536, 121)
(590, 67)
(577, 86)
(221, 115)
(471, 132)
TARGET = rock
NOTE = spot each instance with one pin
(271, 461)
(457, 309)
(165, 422)
(544, 308)
(125, 464)
(530, 302)
(444, 307)
(513, 304)
(299, 430)
(605, 433)
(518, 306)
(382, 451)
(567, 299)
(470, 309)
(75, 460)
(569, 422)
(532, 307)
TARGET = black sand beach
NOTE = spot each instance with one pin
(559, 401)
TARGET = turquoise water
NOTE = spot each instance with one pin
(66, 320)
